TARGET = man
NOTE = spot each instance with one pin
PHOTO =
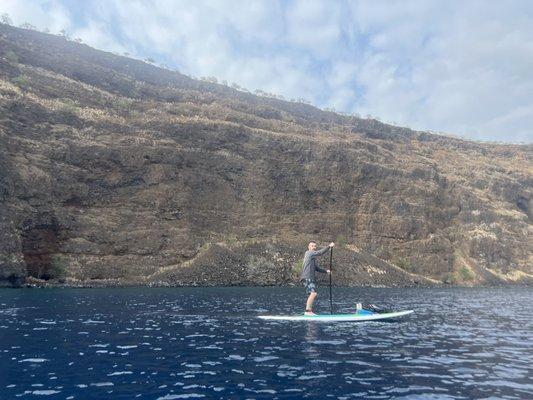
(308, 273)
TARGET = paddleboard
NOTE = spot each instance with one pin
(363, 315)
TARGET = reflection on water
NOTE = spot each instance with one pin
(207, 343)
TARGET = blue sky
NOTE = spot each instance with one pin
(459, 67)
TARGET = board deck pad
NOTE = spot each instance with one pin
(364, 316)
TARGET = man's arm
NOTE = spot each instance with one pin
(317, 268)
(320, 252)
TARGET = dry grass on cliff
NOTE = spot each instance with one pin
(160, 145)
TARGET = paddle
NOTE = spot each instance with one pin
(330, 272)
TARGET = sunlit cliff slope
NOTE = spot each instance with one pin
(116, 172)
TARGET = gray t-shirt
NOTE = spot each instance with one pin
(311, 264)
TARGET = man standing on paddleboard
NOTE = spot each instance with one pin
(308, 273)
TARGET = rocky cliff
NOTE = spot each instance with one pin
(116, 172)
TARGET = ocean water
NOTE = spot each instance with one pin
(188, 343)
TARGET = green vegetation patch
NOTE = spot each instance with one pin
(298, 266)
(403, 263)
(466, 274)
(123, 105)
(11, 57)
(231, 240)
(341, 241)
(68, 107)
(58, 268)
(21, 81)
(450, 279)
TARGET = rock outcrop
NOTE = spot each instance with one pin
(116, 172)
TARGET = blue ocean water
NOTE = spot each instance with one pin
(188, 343)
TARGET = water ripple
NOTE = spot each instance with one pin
(207, 343)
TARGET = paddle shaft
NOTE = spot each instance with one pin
(330, 272)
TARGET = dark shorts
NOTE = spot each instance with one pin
(310, 286)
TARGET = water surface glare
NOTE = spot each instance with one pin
(180, 343)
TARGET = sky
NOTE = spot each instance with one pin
(456, 67)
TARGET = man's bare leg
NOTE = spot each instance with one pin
(310, 301)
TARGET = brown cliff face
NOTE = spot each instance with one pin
(115, 172)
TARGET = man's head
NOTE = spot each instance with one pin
(312, 246)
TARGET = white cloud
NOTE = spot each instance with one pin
(313, 25)
(97, 35)
(469, 68)
(40, 13)
(460, 67)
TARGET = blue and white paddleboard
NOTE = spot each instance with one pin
(362, 315)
